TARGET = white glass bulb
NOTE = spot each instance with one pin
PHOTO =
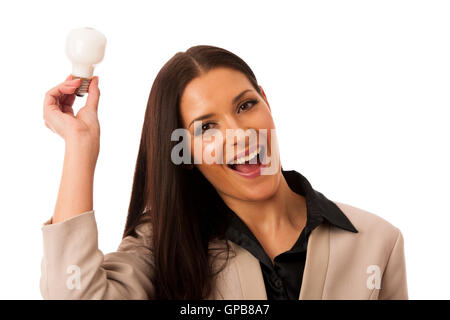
(85, 48)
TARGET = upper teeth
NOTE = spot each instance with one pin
(243, 159)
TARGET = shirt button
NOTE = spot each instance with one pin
(278, 283)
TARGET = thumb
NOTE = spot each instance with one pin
(93, 95)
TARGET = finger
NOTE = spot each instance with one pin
(74, 82)
(70, 80)
(68, 100)
(70, 83)
(93, 95)
(53, 117)
(67, 109)
(57, 92)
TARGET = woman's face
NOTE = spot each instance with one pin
(224, 99)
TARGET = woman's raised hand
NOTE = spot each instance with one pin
(59, 116)
(81, 133)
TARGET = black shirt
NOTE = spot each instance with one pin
(283, 279)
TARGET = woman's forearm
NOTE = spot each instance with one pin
(75, 194)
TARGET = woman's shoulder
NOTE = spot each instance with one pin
(368, 224)
(142, 237)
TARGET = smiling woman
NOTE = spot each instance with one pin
(287, 240)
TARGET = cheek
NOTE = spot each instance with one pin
(264, 120)
(268, 121)
(207, 151)
(261, 119)
(211, 158)
(213, 172)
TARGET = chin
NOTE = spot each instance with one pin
(260, 188)
(258, 191)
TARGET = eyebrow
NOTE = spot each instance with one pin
(205, 116)
(239, 96)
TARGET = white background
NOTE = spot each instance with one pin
(359, 90)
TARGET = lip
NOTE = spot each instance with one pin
(257, 171)
(244, 153)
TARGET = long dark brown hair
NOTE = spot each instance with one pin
(181, 202)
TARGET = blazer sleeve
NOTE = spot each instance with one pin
(394, 283)
(73, 267)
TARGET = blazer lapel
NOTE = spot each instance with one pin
(316, 265)
(250, 274)
(251, 280)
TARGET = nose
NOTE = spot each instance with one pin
(233, 129)
(237, 136)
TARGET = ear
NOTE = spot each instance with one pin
(265, 98)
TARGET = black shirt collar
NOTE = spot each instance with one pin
(319, 208)
(317, 203)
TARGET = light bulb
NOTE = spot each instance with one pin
(85, 48)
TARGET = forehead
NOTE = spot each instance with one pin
(216, 87)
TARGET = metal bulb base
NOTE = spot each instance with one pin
(84, 86)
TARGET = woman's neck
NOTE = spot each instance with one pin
(285, 210)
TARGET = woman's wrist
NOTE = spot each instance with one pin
(75, 194)
(84, 149)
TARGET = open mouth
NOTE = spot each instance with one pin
(248, 165)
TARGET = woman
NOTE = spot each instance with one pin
(237, 227)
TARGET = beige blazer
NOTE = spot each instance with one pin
(369, 264)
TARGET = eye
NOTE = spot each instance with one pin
(206, 126)
(247, 105)
(203, 128)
